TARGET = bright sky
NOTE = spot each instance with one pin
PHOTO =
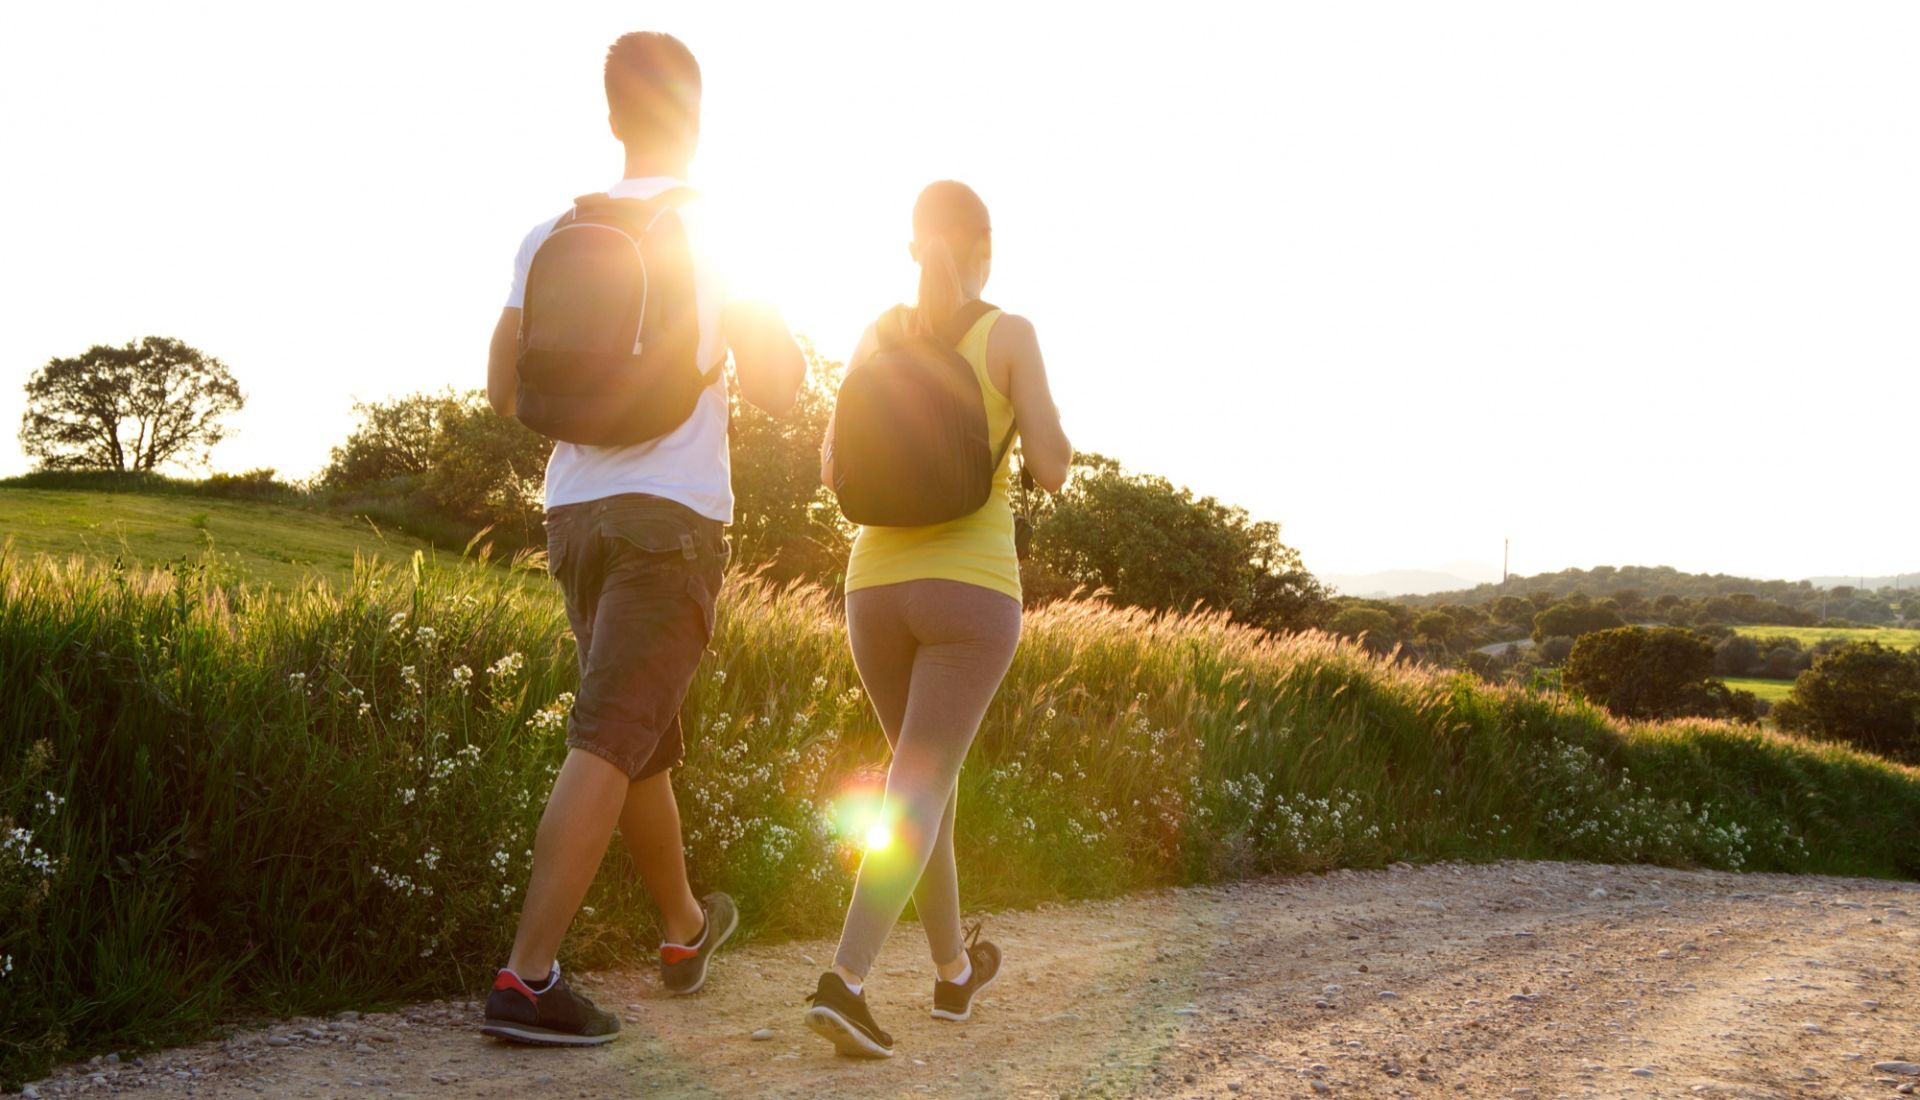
(1633, 283)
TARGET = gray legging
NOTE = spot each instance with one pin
(931, 654)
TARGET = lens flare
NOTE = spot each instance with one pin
(857, 814)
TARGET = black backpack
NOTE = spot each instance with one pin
(610, 329)
(910, 444)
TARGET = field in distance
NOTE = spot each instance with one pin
(266, 543)
(1771, 691)
(1896, 637)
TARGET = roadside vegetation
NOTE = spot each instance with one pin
(219, 802)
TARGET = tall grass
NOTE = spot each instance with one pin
(216, 803)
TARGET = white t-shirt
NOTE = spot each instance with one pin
(688, 464)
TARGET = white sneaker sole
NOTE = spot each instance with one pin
(725, 934)
(541, 1037)
(846, 1038)
(963, 1017)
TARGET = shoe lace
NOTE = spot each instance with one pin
(973, 933)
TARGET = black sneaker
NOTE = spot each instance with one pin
(954, 1000)
(554, 1017)
(840, 1017)
(684, 969)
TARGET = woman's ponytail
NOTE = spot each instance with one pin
(949, 223)
(940, 290)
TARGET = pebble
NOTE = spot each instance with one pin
(1433, 905)
(278, 1041)
(1641, 1071)
(1331, 990)
(1389, 995)
(1322, 1002)
(1188, 1011)
(1597, 892)
(1320, 1087)
(29, 1093)
(347, 1017)
(544, 1079)
(1906, 1089)
(762, 1035)
(1907, 1068)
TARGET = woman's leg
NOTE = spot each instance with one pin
(966, 637)
(937, 899)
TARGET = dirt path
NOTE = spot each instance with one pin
(1537, 979)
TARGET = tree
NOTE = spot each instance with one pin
(1863, 693)
(1736, 655)
(1370, 624)
(1434, 627)
(1152, 544)
(1511, 611)
(445, 466)
(133, 407)
(1641, 673)
(1571, 620)
(785, 521)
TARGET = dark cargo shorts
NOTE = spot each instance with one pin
(640, 574)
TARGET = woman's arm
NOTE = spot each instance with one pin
(1043, 442)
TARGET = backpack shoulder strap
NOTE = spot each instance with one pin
(637, 216)
(891, 329)
(963, 320)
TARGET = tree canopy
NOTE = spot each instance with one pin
(133, 408)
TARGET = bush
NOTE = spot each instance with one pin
(1640, 673)
(1862, 693)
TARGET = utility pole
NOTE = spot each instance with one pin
(1506, 550)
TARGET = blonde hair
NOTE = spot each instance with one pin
(949, 221)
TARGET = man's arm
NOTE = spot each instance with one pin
(768, 361)
(503, 376)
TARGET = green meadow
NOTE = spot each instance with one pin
(267, 544)
(1892, 636)
(1771, 691)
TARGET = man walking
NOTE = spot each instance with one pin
(638, 493)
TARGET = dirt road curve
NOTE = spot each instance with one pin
(1544, 980)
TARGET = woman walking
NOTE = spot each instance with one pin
(933, 614)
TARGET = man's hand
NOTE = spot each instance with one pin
(503, 376)
(765, 356)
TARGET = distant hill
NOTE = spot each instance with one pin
(1903, 581)
(1653, 582)
(1397, 582)
(267, 543)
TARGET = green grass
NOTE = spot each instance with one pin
(218, 803)
(269, 544)
(1895, 637)
(1771, 691)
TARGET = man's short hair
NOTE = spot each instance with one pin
(653, 85)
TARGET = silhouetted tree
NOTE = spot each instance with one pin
(134, 407)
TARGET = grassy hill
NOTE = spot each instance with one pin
(266, 544)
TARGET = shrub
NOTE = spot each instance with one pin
(1862, 693)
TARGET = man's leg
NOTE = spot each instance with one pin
(574, 831)
(650, 822)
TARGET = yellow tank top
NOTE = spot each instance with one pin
(976, 548)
